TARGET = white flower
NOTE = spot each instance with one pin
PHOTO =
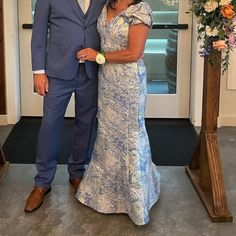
(225, 2)
(211, 32)
(210, 6)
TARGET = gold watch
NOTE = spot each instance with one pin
(100, 58)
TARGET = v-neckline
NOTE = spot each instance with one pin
(114, 17)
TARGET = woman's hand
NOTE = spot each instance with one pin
(87, 54)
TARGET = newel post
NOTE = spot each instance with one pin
(205, 170)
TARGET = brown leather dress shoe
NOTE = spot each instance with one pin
(35, 198)
(75, 183)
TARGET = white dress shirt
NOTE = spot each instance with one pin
(84, 5)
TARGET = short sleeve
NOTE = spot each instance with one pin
(140, 13)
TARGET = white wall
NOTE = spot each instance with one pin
(227, 116)
(196, 81)
(11, 60)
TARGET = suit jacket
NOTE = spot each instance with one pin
(69, 30)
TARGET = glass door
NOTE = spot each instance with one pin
(167, 58)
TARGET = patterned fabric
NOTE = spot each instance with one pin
(121, 177)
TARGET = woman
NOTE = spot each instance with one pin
(121, 177)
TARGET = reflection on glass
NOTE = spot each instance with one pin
(33, 6)
(170, 3)
(161, 49)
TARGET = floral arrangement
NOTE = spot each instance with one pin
(216, 26)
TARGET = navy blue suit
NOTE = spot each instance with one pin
(69, 31)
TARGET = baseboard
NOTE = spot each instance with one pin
(221, 121)
(3, 119)
(195, 122)
(224, 120)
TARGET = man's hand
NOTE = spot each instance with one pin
(41, 84)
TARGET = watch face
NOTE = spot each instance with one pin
(100, 59)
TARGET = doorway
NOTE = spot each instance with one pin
(167, 58)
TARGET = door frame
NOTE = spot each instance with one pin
(2, 69)
(11, 58)
(176, 105)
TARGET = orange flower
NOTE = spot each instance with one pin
(220, 45)
(228, 12)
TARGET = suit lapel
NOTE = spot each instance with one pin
(77, 10)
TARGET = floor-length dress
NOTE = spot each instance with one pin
(121, 177)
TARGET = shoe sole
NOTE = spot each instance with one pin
(29, 211)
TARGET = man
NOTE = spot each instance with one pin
(58, 74)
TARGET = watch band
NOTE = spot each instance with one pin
(103, 53)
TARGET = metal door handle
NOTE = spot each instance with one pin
(27, 26)
(155, 26)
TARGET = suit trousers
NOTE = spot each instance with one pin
(49, 139)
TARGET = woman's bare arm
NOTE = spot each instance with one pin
(137, 39)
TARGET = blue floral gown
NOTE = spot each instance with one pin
(121, 177)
